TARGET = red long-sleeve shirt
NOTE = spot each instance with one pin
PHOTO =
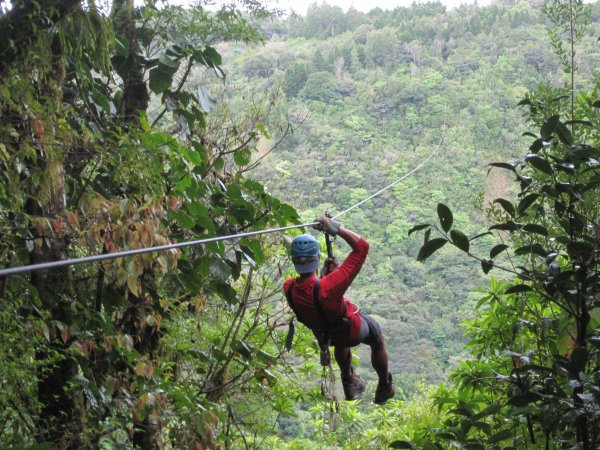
(331, 296)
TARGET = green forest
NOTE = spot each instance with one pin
(129, 125)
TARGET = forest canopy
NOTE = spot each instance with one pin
(126, 125)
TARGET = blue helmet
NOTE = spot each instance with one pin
(305, 253)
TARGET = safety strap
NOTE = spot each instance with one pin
(318, 306)
(288, 296)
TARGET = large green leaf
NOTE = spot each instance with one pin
(197, 209)
(506, 226)
(445, 216)
(489, 411)
(212, 56)
(219, 270)
(183, 219)
(535, 249)
(242, 157)
(254, 249)
(486, 266)
(518, 288)
(242, 348)
(500, 436)
(536, 228)
(506, 205)
(526, 202)
(548, 127)
(497, 250)
(540, 163)
(579, 360)
(564, 134)
(161, 78)
(418, 228)
(474, 446)
(430, 248)
(503, 165)
(460, 240)
(227, 292)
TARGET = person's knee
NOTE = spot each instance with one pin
(342, 352)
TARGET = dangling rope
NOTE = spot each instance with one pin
(332, 407)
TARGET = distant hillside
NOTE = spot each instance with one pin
(374, 93)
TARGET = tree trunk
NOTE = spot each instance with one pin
(60, 418)
(135, 91)
(135, 101)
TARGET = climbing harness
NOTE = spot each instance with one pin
(121, 254)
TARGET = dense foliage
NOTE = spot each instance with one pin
(375, 93)
(106, 145)
(126, 126)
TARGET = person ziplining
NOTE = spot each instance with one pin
(333, 319)
(319, 304)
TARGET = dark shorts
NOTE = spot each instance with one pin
(369, 333)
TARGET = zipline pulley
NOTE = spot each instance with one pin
(329, 239)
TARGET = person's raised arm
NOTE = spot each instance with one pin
(339, 280)
(349, 236)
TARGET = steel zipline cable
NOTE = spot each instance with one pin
(134, 252)
(398, 180)
(139, 251)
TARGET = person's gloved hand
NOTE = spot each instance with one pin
(327, 225)
(330, 265)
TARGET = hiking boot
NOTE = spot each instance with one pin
(384, 391)
(353, 386)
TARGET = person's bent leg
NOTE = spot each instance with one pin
(379, 359)
(352, 384)
(343, 357)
